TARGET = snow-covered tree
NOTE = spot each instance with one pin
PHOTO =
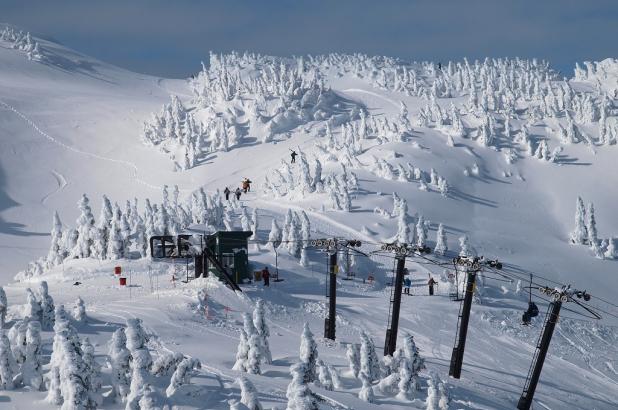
(353, 355)
(182, 375)
(6, 363)
(248, 394)
(149, 399)
(441, 244)
(366, 392)
(437, 394)
(92, 372)
(369, 362)
(259, 321)
(242, 352)
(308, 353)
(56, 253)
(136, 341)
(254, 224)
(79, 310)
(403, 229)
(298, 393)
(32, 367)
(33, 307)
(580, 233)
(47, 307)
(325, 378)
(275, 234)
(464, 246)
(119, 358)
(115, 247)
(4, 306)
(166, 363)
(74, 386)
(17, 338)
(591, 228)
(254, 357)
(421, 232)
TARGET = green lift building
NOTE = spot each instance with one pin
(230, 248)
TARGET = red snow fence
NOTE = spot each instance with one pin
(123, 281)
(117, 270)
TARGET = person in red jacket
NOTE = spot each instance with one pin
(266, 276)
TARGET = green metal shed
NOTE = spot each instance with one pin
(230, 248)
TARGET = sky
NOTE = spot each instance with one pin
(171, 38)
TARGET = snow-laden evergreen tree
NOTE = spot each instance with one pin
(308, 353)
(47, 307)
(275, 235)
(441, 243)
(254, 357)
(366, 392)
(353, 355)
(259, 321)
(63, 332)
(166, 363)
(421, 232)
(245, 221)
(136, 342)
(149, 399)
(464, 246)
(119, 358)
(79, 310)
(431, 403)
(242, 352)
(4, 306)
(182, 375)
(325, 378)
(85, 227)
(139, 375)
(17, 338)
(611, 252)
(32, 368)
(444, 400)
(254, 224)
(92, 372)
(6, 363)
(33, 306)
(74, 386)
(591, 228)
(56, 255)
(369, 362)
(248, 394)
(305, 236)
(115, 247)
(403, 229)
(580, 233)
(298, 393)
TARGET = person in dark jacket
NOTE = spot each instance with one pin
(293, 154)
(431, 283)
(407, 283)
(238, 193)
(266, 276)
(227, 193)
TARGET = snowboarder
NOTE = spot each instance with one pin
(227, 192)
(238, 193)
(266, 276)
(407, 283)
(246, 185)
(293, 154)
(431, 283)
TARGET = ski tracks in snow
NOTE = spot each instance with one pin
(381, 97)
(130, 165)
(62, 183)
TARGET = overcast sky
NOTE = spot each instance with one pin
(170, 38)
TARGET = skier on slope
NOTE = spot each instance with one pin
(238, 193)
(293, 154)
(431, 282)
(227, 193)
(246, 185)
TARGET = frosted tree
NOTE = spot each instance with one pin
(369, 362)
(136, 340)
(263, 332)
(611, 252)
(6, 363)
(33, 307)
(464, 246)
(274, 237)
(248, 394)
(580, 233)
(32, 367)
(421, 232)
(47, 307)
(138, 380)
(85, 226)
(79, 310)
(115, 247)
(308, 353)
(242, 352)
(56, 251)
(17, 338)
(4, 306)
(325, 378)
(353, 355)
(92, 372)
(366, 392)
(245, 221)
(591, 228)
(298, 393)
(149, 399)
(441, 244)
(119, 358)
(254, 224)
(182, 375)
(166, 363)
(431, 403)
(254, 357)
(73, 385)
(444, 397)
(403, 229)
(305, 236)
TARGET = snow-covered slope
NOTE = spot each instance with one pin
(71, 125)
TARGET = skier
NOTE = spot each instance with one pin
(238, 193)
(266, 276)
(227, 192)
(246, 185)
(293, 154)
(407, 283)
(431, 283)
